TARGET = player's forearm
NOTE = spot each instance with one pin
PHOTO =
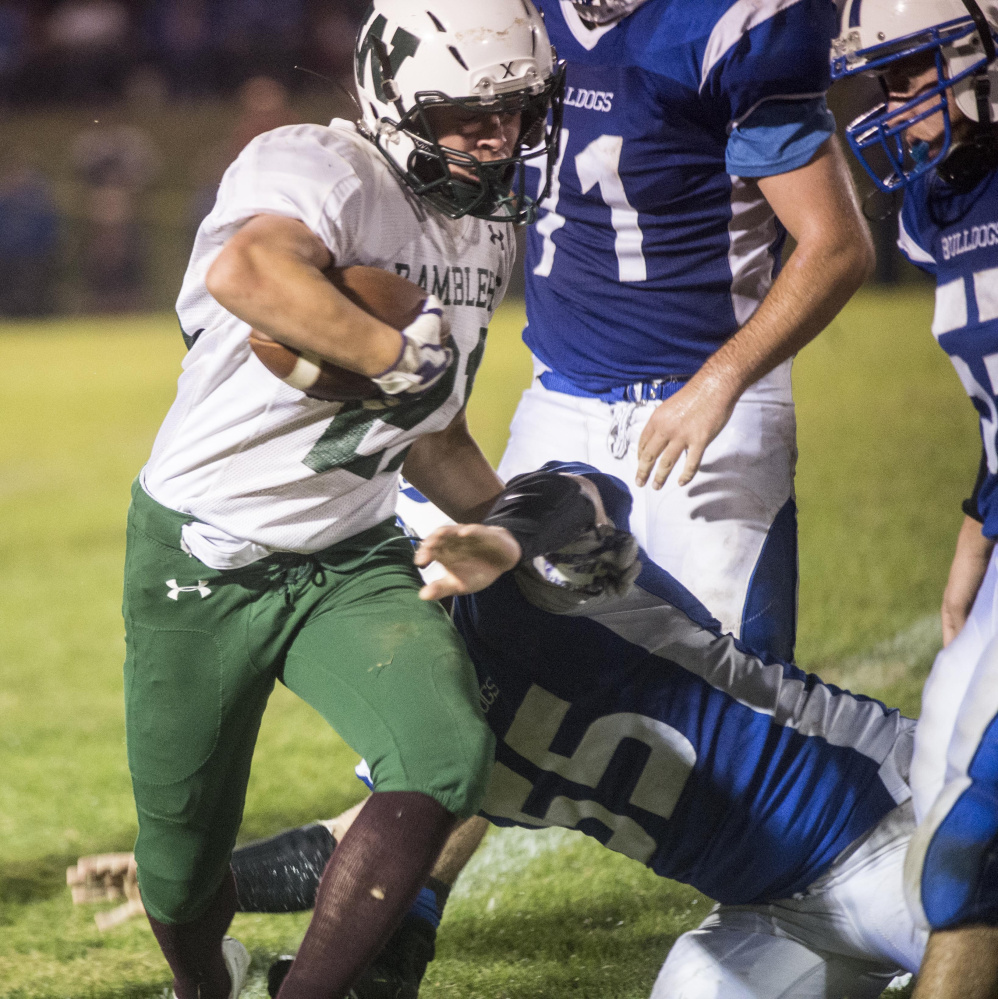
(970, 563)
(818, 205)
(270, 276)
(449, 469)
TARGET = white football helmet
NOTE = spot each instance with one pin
(605, 11)
(960, 36)
(492, 56)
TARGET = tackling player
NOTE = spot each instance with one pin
(261, 538)
(936, 135)
(634, 720)
(695, 138)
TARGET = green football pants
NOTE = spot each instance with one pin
(343, 628)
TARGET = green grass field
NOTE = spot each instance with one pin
(888, 449)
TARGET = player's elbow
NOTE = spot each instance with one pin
(845, 256)
(863, 256)
(231, 277)
(852, 246)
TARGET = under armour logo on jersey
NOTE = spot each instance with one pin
(176, 590)
(496, 237)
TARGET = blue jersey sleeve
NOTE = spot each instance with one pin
(911, 238)
(769, 50)
(778, 136)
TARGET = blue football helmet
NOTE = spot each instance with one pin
(954, 35)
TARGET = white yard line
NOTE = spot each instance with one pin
(505, 852)
(889, 661)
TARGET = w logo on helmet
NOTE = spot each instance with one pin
(404, 45)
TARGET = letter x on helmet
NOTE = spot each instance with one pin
(493, 57)
(959, 38)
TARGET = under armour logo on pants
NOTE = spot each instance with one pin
(175, 590)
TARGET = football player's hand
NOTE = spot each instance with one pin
(473, 556)
(424, 357)
(687, 421)
(107, 877)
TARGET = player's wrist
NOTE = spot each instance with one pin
(400, 344)
(424, 356)
(509, 552)
(723, 379)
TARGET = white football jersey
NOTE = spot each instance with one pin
(262, 466)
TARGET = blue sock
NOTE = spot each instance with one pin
(430, 902)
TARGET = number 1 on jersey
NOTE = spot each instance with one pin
(597, 164)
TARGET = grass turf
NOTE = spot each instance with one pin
(888, 448)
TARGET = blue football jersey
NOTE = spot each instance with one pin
(641, 725)
(955, 237)
(655, 243)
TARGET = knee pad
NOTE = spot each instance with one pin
(179, 869)
(171, 901)
(457, 779)
(951, 868)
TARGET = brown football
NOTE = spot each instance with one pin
(382, 294)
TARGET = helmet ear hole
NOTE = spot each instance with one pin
(532, 129)
(426, 166)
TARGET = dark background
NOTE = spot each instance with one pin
(117, 120)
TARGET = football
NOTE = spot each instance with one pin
(388, 297)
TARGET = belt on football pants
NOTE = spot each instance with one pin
(653, 391)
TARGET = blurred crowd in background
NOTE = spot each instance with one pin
(117, 120)
(78, 50)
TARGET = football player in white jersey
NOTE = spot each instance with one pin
(936, 134)
(262, 543)
(695, 138)
(620, 710)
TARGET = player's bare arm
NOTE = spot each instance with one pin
(269, 274)
(834, 255)
(966, 573)
(449, 469)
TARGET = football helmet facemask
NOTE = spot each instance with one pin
(483, 58)
(957, 37)
(605, 11)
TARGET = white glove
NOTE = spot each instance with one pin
(423, 359)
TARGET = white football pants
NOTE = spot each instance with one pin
(708, 534)
(848, 935)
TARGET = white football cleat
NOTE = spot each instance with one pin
(237, 961)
